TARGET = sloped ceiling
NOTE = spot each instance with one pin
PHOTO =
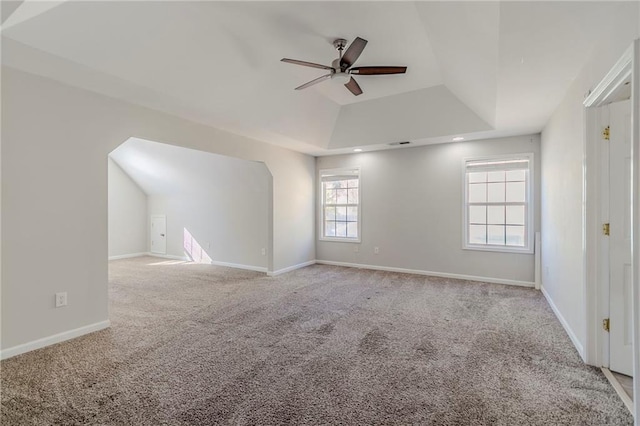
(476, 69)
(161, 169)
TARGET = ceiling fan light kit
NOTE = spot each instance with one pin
(342, 69)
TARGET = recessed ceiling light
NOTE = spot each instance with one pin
(458, 139)
(357, 150)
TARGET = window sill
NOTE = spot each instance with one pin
(499, 249)
(340, 240)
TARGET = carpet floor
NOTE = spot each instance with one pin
(197, 345)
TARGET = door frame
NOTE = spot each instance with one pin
(596, 297)
(154, 216)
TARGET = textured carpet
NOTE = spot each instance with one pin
(197, 345)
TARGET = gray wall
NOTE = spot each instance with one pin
(227, 216)
(412, 207)
(55, 142)
(127, 214)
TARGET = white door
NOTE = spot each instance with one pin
(620, 279)
(159, 234)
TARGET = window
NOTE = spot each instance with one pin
(340, 200)
(498, 208)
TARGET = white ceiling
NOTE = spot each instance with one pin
(161, 169)
(477, 69)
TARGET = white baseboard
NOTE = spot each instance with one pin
(168, 256)
(291, 268)
(565, 324)
(127, 256)
(51, 340)
(239, 266)
(626, 399)
(212, 262)
(430, 273)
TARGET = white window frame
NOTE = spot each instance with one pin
(529, 200)
(339, 171)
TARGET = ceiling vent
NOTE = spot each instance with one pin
(399, 143)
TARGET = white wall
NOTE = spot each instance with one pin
(127, 213)
(221, 201)
(55, 141)
(562, 179)
(227, 217)
(412, 210)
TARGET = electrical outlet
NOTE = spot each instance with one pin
(376, 250)
(264, 252)
(208, 245)
(61, 299)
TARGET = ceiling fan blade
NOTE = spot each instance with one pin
(377, 70)
(353, 87)
(312, 82)
(306, 64)
(353, 52)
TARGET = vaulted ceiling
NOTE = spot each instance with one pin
(475, 69)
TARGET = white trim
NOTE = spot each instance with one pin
(430, 273)
(635, 187)
(565, 324)
(239, 266)
(291, 268)
(628, 402)
(537, 250)
(51, 340)
(128, 256)
(169, 256)
(212, 262)
(339, 171)
(606, 89)
(607, 86)
(530, 197)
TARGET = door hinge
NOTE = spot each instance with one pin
(606, 133)
(605, 229)
(605, 324)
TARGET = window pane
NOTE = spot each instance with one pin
(341, 213)
(352, 196)
(341, 196)
(495, 235)
(329, 213)
(341, 184)
(477, 234)
(495, 176)
(330, 196)
(515, 236)
(352, 230)
(515, 215)
(477, 177)
(352, 214)
(329, 228)
(352, 183)
(341, 229)
(495, 192)
(495, 215)
(332, 184)
(516, 192)
(477, 214)
(477, 193)
(515, 175)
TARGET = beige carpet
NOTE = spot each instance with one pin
(197, 345)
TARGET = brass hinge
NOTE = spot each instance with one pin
(605, 229)
(606, 133)
(605, 324)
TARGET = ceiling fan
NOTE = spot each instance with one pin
(342, 69)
